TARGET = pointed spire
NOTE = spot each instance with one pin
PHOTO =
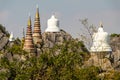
(29, 20)
(101, 24)
(37, 37)
(23, 38)
(23, 33)
(37, 12)
(28, 44)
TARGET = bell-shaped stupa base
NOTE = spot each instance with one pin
(52, 29)
(101, 49)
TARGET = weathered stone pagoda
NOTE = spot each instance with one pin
(37, 38)
(28, 44)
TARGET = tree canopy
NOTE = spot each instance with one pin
(62, 62)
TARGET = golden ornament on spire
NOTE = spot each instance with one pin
(29, 21)
(37, 13)
(101, 24)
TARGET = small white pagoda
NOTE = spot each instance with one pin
(53, 25)
(11, 38)
(100, 41)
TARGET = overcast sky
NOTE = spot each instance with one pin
(14, 14)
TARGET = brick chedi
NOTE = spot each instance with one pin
(29, 45)
(37, 30)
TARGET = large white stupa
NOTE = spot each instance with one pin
(101, 41)
(53, 25)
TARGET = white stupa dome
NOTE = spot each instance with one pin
(100, 41)
(53, 25)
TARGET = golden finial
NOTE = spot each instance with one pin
(37, 12)
(29, 20)
(101, 24)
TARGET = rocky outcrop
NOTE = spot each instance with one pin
(115, 44)
(3, 40)
(109, 62)
(104, 63)
(52, 38)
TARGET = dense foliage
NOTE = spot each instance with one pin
(115, 35)
(62, 62)
(49, 65)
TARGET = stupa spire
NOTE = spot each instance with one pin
(100, 29)
(101, 24)
(37, 37)
(29, 20)
(28, 45)
(37, 12)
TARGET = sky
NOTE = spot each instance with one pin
(14, 14)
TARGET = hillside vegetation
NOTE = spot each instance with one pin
(61, 62)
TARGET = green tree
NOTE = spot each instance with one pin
(50, 65)
(114, 35)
